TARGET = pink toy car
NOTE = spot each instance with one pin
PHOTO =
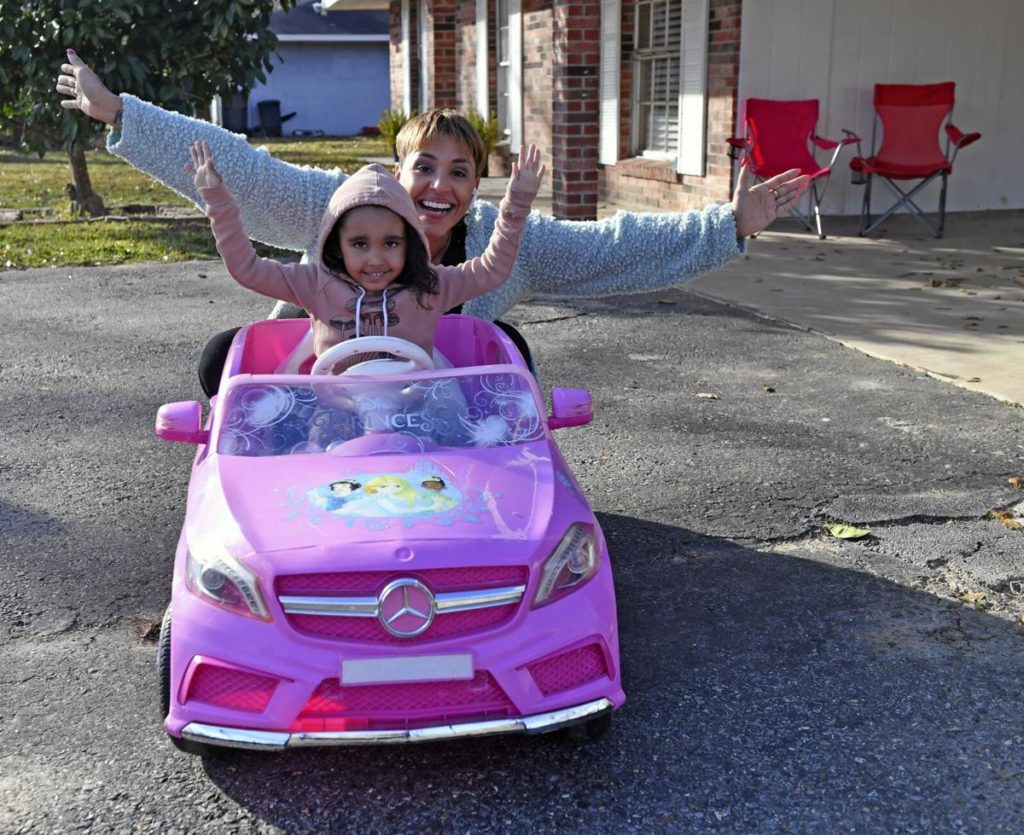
(395, 554)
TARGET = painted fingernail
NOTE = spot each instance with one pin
(71, 52)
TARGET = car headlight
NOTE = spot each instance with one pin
(570, 565)
(217, 577)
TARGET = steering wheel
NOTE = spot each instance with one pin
(411, 357)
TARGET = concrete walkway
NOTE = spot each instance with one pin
(952, 307)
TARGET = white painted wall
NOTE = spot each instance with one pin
(335, 87)
(837, 51)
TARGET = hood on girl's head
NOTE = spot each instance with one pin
(371, 185)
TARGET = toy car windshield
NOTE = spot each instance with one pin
(460, 409)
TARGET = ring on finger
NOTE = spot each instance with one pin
(775, 193)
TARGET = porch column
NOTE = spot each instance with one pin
(575, 108)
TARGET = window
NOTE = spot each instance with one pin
(502, 44)
(657, 74)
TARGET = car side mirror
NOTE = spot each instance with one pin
(182, 422)
(570, 407)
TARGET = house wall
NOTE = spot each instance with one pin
(335, 87)
(836, 52)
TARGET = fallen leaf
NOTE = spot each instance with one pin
(1007, 518)
(707, 395)
(1016, 482)
(666, 301)
(972, 380)
(844, 531)
(768, 389)
(973, 597)
(1020, 617)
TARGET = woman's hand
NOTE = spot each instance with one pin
(527, 173)
(756, 206)
(86, 92)
(201, 169)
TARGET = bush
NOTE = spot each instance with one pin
(390, 124)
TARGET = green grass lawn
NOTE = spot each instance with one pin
(39, 184)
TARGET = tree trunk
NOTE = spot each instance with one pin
(83, 199)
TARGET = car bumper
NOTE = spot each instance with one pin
(275, 741)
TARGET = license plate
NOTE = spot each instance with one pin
(411, 668)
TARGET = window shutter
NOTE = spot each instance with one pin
(515, 74)
(406, 59)
(693, 68)
(611, 34)
(483, 104)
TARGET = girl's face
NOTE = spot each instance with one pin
(372, 241)
(389, 487)
(440, 176)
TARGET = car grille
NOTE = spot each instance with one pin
(311, 591)
(570, 669)
(335, 707)
(231, 688)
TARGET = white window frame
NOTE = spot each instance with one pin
(691, 147)
(647, 57)
(513, 127)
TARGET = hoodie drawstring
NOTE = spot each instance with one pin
(359, 313)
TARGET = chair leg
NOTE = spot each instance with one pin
(816, 204)
(907, 200)
(942, 206)
(865, 209)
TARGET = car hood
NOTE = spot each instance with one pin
(264, 505)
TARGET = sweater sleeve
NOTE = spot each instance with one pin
(281, 204)
(294, 283)
(489, 270)
(630, 252)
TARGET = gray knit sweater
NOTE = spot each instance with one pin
(282, 204)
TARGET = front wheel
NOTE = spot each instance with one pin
(163, 671)
(591, 730)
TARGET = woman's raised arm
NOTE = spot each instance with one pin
(280, 203)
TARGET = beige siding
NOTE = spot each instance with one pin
(837, 51)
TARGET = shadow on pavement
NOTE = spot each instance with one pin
(765, 693)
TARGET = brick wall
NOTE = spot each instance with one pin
(575, 108)
(399, 58)
(537, 77)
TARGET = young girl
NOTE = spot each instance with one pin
(372, 275)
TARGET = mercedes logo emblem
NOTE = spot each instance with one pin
(405, 608)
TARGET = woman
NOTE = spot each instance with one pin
(441, 159)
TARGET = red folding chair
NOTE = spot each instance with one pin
(910, 115)
(779, 135)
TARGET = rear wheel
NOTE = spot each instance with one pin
(163, 671)
(590, 730)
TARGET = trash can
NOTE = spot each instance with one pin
(234, 114)
(270, 117)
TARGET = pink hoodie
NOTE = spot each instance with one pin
(339, 308)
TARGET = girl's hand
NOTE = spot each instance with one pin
(86, 92)
(201, 169)
(527, 173)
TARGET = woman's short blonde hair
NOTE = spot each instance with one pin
(444, 121)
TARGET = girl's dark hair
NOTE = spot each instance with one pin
(417, 274)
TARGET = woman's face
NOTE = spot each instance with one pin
(440, 176)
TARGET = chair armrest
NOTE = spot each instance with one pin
(829, 144)
(737, 144)
(959, 138)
